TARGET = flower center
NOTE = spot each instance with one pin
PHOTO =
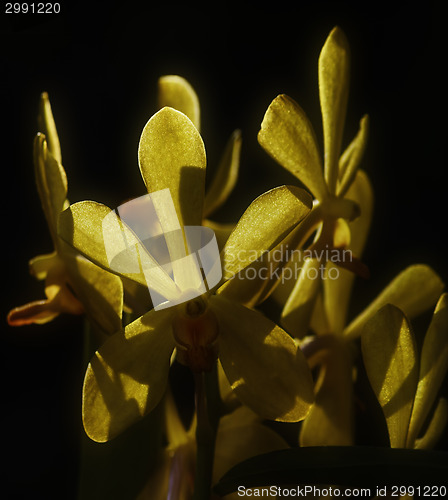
(196, 335)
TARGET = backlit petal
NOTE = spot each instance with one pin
(351, 158)
(47, 127)
(287, 135)
(339, 282)
(390, 358)
(172, 155)
(225, 177)
(51, 183)
(265, 223)
(414, 291)
(433, 367)
(127, 376)
(330, 421)
(334, 72)
(100, 292)
(176, 92)
(266, 370)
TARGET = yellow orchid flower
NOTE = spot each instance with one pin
(416, 289)
(176, 92)
(73, 284)
(287, 135)
(127, 376)
(406, 384)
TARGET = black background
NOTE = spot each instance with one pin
(100, 66)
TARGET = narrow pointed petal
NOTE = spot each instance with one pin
(51, 183)
(296, 314)
(390, 357)
(265, 369)
(172, 155)
(337, 292)
(414, 291)
(334, 72)
(265, 223)
(127, 376)
(351, 158)
(433, 367)
(330, 421)
(47, 127)
(436, 427)
(100, 292)
(287, 135)
(225, 177)
(176, 92)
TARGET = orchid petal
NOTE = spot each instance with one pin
(414, 290)
(265, 223)
(433, 367)
(47, 127)
(172, 155)
(100, 292)
(81, 226)
(334, 72)
(176, 92)
(435, 428)
(127, 376)
(287, 135)
(351, 158)
(296, 314)
(330, 421)
(337, 292)
(51, 183)
(225, 177)
(40, 265)
(390, 357)
(265, 369)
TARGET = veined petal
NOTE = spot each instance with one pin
(296, 314)
(225, 177)
(337, 291)
(351, 158)
(176, 92)
(330, 421)
(334, 72)
(100, 292)
(127, 376)
(287, 135)
(48, 127)
(433, 367)
(265, 223)
(390, 357)
(414, 290)
(172, 155)
(265, 369)
(112, 246)
(51, 183)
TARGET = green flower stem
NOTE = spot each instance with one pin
(208, 409)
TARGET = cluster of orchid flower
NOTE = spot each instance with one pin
(247, 368)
